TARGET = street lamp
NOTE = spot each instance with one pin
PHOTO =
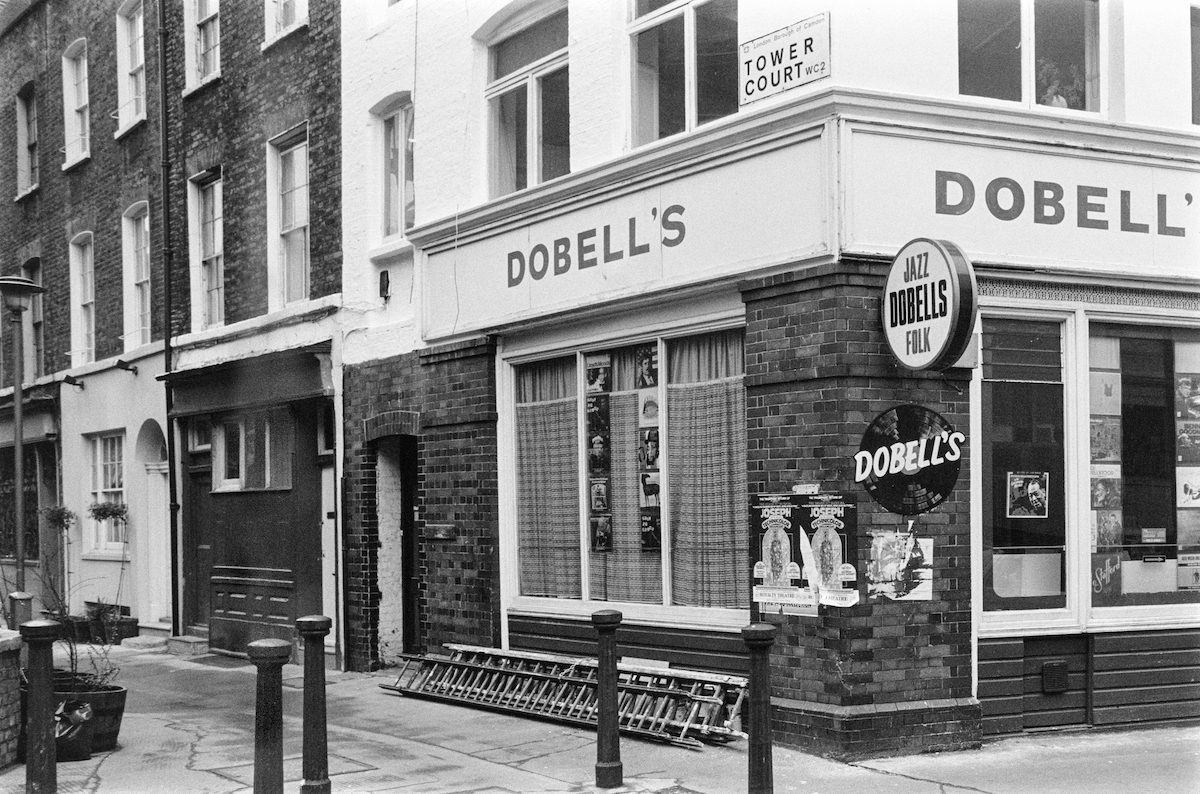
(17, 293)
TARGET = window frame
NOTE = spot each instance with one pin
(136, 275)
(276, 24)
(209, 182)
(1028, 73)
(76, 111)
(277, 428)
(131, 66)
(395, 209)
(527, 78)
(34, 325)
(685, 9)
(509, 359)
(28, 167)
(83, 298)
(279, 285)
(109, 536)
(1079, 615)
(203, 25)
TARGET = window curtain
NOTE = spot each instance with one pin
(706, 436)
(547, 431)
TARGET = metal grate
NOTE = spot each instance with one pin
(678, 706)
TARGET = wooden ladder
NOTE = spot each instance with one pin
(682, 707)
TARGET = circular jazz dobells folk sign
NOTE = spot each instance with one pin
(928, 307)
(909, 459)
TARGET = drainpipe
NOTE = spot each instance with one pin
(167, 254)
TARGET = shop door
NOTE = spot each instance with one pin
(198, 552)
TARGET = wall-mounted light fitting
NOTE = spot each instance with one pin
(125, 365)
(71, 380)
(385, 284)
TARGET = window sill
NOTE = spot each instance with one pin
(391, 249)
(83, 158)
(207, 81)
(26, 192)
(698, 618)
(283, 34)
(99, 555)
(129, 127)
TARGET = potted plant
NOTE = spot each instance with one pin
(110, 623)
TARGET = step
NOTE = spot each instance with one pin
(187, 645)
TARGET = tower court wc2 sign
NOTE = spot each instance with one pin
(928, 306)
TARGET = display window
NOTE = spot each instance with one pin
(631, 473)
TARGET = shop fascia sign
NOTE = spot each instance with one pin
(928, 306)
(784, 59)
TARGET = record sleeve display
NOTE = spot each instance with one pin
(909, 459)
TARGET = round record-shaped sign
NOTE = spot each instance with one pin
(909, 459)
(928, 307)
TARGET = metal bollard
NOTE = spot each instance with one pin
(314, 629)
(20, 609)
(269, 656)
(41, 774)
(609, 771)
(759, 637)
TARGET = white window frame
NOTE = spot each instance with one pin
(205, 189)
(220, 480)
(28, 171)
(76, 110)
(135, 259)
(1029, 97)
(108, 486)
(273, 480)
(529, 78)
(686, 10)
(393, 208)
(281, 18)
(83, 299)
(34, 326)
(202, 33)
(131, 66)
(1078, 615)
(280, 283)
(671, 324)
(196, 443)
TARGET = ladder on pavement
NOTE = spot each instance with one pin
(665, 704)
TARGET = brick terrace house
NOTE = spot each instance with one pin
(617, 273)
(82, 216)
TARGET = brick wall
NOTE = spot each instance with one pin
(10, 695)
(817, 372)
(446, 397)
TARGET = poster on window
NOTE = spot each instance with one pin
(1106, 529)
(1106, 439)
(598, 434)
(1028, 494)
(648, 408)
(646, 358)
(830, 521)
(774, 522)
(1187, 442)
(1187, 526)
(648, 489)
(601, 532)
(598, 491)
(651, 530)
(900, 566)
(1187, 482)
(1187, 395)
(1105, 393)
(599, 372)
(648, 449)
(1105, 577)
(1188, 572)
(1106, 486)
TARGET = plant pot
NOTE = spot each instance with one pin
(79, 627)
(108, 709)
(126, 627)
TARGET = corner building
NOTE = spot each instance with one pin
(637, 289)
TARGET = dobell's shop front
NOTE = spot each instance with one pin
(928, 403)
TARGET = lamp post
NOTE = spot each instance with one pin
(17, 293)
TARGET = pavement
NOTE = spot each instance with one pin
(189, 727)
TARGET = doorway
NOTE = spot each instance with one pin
(396, 509)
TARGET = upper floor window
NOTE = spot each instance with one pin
(83, 300)
(27, 139)
(288, 217)
(108, 486)
(1047, 50)
(283, 16)
(399, 208)
(136, 259)
(131, 65)
(76, 115)
(207, 244)
(207, 41)
(530, 107)
(35, 326)
(685, 66)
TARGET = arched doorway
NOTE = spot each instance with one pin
(149, 529)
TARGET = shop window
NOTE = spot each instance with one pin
(664, 491)
(27, 140)
(996, 36)
(1024, 498)
(76, 113)
(252, 451)
(131, 65)
(530, 109)
(685, 66)
(199, 434)
(108, 486)
(1145, 465)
